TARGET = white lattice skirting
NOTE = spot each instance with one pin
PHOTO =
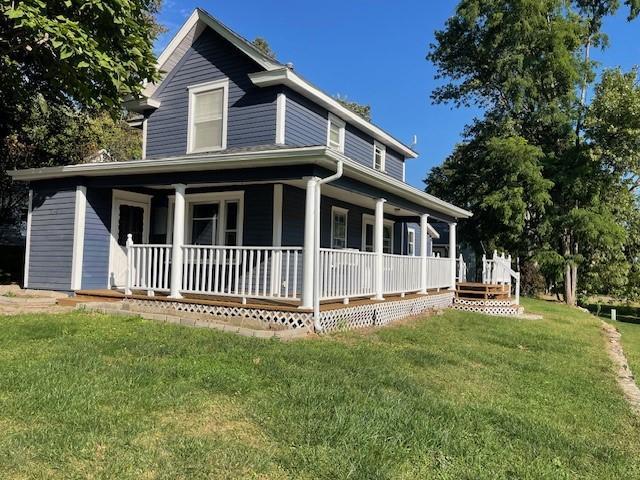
(347, 318)
(488, 307)
(382, 313)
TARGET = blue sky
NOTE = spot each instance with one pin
(373, 52)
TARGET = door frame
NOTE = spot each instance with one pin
(133, 199)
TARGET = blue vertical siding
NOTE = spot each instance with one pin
(252, 110)
(51, 251)
(95, 265)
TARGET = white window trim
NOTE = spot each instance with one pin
(368, 219)
(205, 87)
(341, 124)
(208, 197)
(411, 230)
(281, 114)
(344, 211)
(383, 163)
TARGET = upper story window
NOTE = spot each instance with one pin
(338, 227)
(379, 154)
(208, 105)
(335, 133)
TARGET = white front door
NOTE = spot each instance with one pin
(130, 215)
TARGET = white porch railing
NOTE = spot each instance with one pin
(148, 267)
(402, 274)
(257, 272)
(346, 274)
(461, 275)
(498, 270)
(276, 272)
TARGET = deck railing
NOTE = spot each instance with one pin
(276, 272)
(256, 272)
(498, 270)
(346, 274)
(148, 267)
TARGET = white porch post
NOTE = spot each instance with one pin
(378, 240)
(308, 250)
(424, 237)
(178, 241)
(452, 253)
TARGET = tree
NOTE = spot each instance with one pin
(262, 45)
(71, 56)
(358, 108)
(520, 61)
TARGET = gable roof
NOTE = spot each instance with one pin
(273, 73)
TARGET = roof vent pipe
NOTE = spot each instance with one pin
(289, 65)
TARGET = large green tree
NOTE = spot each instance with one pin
(75, 57)
(536, 178)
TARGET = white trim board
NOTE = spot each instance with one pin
(281, 116)
(25, 280)
(78, 237)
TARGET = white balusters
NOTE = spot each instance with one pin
(148, 267)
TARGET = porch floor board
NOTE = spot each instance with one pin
(264, 304)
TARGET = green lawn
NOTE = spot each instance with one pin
(450, 396)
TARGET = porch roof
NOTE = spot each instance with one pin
(251, 157)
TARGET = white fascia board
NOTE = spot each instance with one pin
(191, 162)
(385, 182)
(285, 76)
(319, 155)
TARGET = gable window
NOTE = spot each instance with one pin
(338, 227)
(335, 133)
(411, 241)
(379, 153)
(207, 129)
(368, 232)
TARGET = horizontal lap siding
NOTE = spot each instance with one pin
(51, 249)
(95, 266)
(393, 163)
(252, 110)
(305, 122)
(258, 215)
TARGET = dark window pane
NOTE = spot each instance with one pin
(230, 238)
(232, 216)
(202, 232)
(205, 210)
(131, 221)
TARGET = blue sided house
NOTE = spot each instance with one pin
(257, 195)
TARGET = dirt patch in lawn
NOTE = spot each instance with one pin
(625, 377)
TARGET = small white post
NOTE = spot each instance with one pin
(484, 268)
(461, 272)
(309, 237)
(424, 239)
(129, 244)
(178, 241)
(379, 248)
(517, 289)
(452, 253)
(614, 315)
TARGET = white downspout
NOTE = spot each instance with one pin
(316, 246)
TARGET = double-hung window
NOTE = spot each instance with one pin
(208, 105)
(338, 227)
(379, 154)
(335, 133)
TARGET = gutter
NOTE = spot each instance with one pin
(316, 245)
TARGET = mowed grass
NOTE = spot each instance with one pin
(449, 396)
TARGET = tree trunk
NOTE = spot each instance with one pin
(569, 273)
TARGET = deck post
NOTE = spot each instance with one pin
(308, 251)
(177, 241)
(379, 248)
(424, 242)
(452, 253)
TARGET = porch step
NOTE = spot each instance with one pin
(83, 298)
(488, 307)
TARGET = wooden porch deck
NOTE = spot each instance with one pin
(225, 301)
